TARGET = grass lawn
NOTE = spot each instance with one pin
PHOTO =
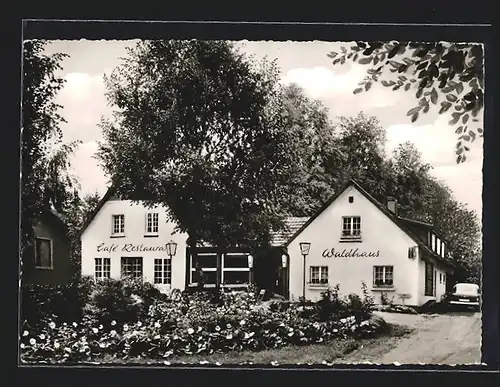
(338, 351)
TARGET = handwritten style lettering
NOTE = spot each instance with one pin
(129, 248)
(351, 253)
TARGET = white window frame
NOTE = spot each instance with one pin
(433, 242)
(152, 225)
(350, 232)
(165, 272)
(105, 268)
(51, 243)
(228, 269)
(386, 269)
(204, 269)
(321, 270)
(139, 259)
(121, 224)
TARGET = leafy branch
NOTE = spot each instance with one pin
(440, 74)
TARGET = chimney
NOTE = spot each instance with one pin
(392, 205)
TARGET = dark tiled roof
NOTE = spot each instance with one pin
(292, 224)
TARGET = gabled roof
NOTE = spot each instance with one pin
(105, 198)
(395, 219)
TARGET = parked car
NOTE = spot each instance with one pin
(465, 295)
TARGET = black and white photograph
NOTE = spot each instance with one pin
(251, 202)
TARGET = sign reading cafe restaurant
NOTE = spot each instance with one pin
(129, 247)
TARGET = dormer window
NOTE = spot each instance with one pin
(351, 227)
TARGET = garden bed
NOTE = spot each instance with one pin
(160, 329)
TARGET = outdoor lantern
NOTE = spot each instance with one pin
(171, 248)
(305, 247)
(250, 261)
(284, 259)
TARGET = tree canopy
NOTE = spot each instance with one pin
(199, 128)
(46, 182)
(446, 75)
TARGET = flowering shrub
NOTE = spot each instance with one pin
(191, 325)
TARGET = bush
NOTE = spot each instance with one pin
(189, 325)
(58, 302)
(333, 306)
(122, 300)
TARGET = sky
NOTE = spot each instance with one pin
(305, 63)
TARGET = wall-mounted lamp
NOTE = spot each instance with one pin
(284, 261)
(250, 261)
(171, 249)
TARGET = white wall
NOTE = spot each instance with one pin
(440, 287)
(379, 233)
(99, 232)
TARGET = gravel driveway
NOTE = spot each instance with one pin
(452, 338)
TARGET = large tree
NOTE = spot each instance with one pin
(314, 149)
(448, 75)
(362, 141)
(45, 181)
(199, 128)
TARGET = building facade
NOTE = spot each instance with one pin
(355, 239)
(125, 239)
(352, 239)
(47, 261)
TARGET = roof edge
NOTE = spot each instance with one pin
(94, 213)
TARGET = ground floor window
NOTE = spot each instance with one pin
(235, 271)
(429, 279)
(207, 263)
(131, 267)
(383, 276)
(232, 268)
(43, 253)
(102, 268)
(318, 275)
(163, 271)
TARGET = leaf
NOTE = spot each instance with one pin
(455, 118)
(402, 78)
(414, 117)
(414, 110)
(434, 96)
(419, 92)
(426, 108)
(357, 91)
(466, 138)
(465, 118)
(407, 86)
(459, 151)
(466, 148)
(375, 60)
(459, 87)
(459, 130)
(451, 97)
(447, 89)
(472, 135)
(332, 54)
(368, 85)
(459, 159)
(365, 60)
(388, 83)
(479, 130)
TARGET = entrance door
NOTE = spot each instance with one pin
(269, 274)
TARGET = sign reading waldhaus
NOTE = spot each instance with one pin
(352, 239)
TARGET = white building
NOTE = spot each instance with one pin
(352, 238)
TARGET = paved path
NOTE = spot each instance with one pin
(453, 338)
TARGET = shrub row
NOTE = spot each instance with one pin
(187, 326)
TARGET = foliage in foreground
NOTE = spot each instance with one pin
(446, 74)
(193, 325)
